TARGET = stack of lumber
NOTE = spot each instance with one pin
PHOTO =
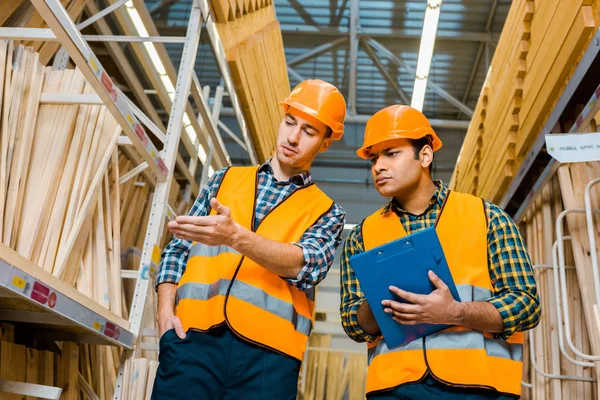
(332, 374)
(565, 191)
(54, 178)
(537, 53)
(21, 13)
(539, 231)
(62, 206)
(252, 39)
(71, 367)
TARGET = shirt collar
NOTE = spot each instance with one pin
(438, 198)
(301, 179)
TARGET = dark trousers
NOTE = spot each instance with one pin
(218, 365)
(430, 388)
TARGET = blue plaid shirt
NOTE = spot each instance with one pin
(318, 243)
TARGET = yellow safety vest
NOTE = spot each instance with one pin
(220, 285)
(456, 356)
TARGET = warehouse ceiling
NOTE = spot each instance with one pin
(467, 33)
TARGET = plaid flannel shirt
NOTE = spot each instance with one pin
(514, 289)
(318, 243)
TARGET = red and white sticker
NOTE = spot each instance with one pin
(40, 293)
(52, 300)
(111, 330)
(108, 85)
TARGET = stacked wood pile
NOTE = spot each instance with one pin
(564, 191)
(537, 53)
(21, 13)
(74, 368)
(252, 39)
(331, 374)
(63, 207)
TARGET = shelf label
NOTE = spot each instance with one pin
(111, 330)
(97, 326)
(40, 293)
(120, 101)
(574, 147)
(52, 300)
(19, 283)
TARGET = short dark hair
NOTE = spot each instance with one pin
(418, 144)
(328, 132)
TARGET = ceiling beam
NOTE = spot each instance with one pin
(392, 81)
(436, 88)
(293, 30)
(317, 51)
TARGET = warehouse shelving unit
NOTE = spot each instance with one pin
(28, 294)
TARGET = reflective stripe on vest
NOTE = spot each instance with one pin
(249, 294)
(202, 250)
(457, 340)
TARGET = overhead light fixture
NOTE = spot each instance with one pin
(162, 72)
(430, 24)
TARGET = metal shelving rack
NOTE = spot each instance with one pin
(51, 303)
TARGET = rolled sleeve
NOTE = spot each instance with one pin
(174, 256)
(352, 297)
(516, 297)
(318, 245)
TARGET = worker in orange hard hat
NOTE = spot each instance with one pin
(487, 259)
(236, 284)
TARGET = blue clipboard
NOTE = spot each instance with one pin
(404, 263)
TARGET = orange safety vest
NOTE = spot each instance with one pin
(220, 285)
(456, 356)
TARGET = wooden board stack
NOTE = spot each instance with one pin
(62, 206)
(332, 375)
(252, 39)
(537, 52)
(565, 191)
(54, 162)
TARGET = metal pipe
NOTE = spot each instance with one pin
(436, 88)
(46, 35)
(101, 14)
(561, 263)
(317, 51)
(561, 341)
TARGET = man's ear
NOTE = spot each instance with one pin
(326, 143)
(426, 156)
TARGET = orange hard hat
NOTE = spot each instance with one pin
(397, 122)
(320, 100)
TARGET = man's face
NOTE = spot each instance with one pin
(394, 167)
(300, 138)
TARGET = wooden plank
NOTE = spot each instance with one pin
(33, 368)
(152, 368)
(46, 369)
(13, 366)
(554, 79)
(68, 375)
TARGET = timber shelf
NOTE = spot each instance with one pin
(51, 308)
